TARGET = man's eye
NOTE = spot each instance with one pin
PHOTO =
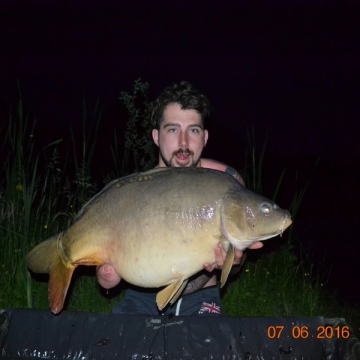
(172, 130)
(194, 131)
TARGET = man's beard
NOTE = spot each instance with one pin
(187, 152)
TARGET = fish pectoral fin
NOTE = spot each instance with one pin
(229, 260)
(164, 296)
(178, 293)
(60, 277)
(88, 261)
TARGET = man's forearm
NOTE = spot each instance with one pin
(236, 268)
(197, 283)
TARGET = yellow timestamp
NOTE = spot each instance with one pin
(302, 332)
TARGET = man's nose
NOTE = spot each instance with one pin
(183, 141)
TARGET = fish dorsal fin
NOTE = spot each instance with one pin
(154, 171)
(227, 264)
(164, 296)
(118, 183)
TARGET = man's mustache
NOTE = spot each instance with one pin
(186, 152)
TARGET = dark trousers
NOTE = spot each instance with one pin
(203, 302)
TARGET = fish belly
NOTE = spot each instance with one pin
(159, 261)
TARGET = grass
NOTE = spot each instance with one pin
(41, 193)
(276, 285)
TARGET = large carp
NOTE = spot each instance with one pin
(158, 228)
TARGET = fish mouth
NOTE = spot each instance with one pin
(265, 237)
(286, 223)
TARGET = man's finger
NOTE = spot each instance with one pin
(257, 245)
(220, 255)
(210, 268)
(238, 255)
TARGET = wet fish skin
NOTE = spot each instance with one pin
(157, 229)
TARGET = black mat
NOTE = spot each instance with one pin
(26, 334)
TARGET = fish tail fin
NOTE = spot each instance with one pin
(46, 258)
(60, 277)
(43, 255)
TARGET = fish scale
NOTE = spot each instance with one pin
(158, 228)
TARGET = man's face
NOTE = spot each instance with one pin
(181, 137)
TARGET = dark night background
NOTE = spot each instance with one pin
(290, 70)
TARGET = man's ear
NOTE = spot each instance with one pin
(206, 136)
(155, 136)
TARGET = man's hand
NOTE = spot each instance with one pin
(220, 256)
(107, 276)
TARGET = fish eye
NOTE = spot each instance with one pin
(265, 208)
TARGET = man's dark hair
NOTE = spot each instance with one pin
(184, 95)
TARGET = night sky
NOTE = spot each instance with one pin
(289, 71)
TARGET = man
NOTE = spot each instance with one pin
(178, 117)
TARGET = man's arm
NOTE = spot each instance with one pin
(220, 256)
(217, 165)
(231, 171)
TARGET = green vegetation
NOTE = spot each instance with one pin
(41, 193)
(277, 285)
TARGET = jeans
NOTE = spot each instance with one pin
(202, 302)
